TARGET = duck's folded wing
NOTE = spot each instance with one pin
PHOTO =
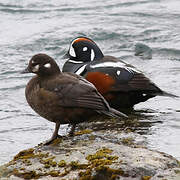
(78, 93)
(141, 82)
(130, 80)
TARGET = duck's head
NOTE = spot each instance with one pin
(83, 49)
(42, 65)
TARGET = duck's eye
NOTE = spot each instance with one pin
(48, 65)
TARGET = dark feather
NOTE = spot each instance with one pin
(73, 92)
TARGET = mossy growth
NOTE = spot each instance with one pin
(26, 175)
(102, 154)
(127, 141)
(146, 177)
(29, 154)
(49, 162)
(27, 162)
(179, 163)
(99, 162)
(177, 171)
(92, 137)
(62, 163)
(85, 131)
(4, 171)
(108, 173)
(54, 173)
(26, 157)
(34, 175)
(57, 142)
(97, 166)
(75, 165)
(25, 154)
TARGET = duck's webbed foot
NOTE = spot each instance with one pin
(48, 142)
(55, 135)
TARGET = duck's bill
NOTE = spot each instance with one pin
(25, 71)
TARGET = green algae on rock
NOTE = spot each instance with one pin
(85, 131)
(62, 163)
(109, 155)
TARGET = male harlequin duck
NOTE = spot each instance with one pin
(120, 83)
(63, 98)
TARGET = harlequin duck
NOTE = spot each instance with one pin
(63, 98)
(120, 83)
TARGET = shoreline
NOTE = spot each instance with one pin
(105, 152)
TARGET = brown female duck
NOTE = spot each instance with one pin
(62, 98)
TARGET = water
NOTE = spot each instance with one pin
(29, 27)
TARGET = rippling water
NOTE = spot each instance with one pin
(29, 27)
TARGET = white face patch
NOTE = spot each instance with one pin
(81, 70)
(48, 65)
(118, 72)
(71, 50)
(35, 68)
(85, 48)
(92, 55)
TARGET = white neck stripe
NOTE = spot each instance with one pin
(75, 62)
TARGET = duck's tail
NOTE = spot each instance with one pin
(164, 93)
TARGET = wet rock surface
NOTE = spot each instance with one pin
(105, 149)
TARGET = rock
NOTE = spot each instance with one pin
(143, 51)
(101, 150)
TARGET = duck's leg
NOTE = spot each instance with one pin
(71, 133)
(55, 134)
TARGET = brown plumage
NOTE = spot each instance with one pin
(62, 98)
